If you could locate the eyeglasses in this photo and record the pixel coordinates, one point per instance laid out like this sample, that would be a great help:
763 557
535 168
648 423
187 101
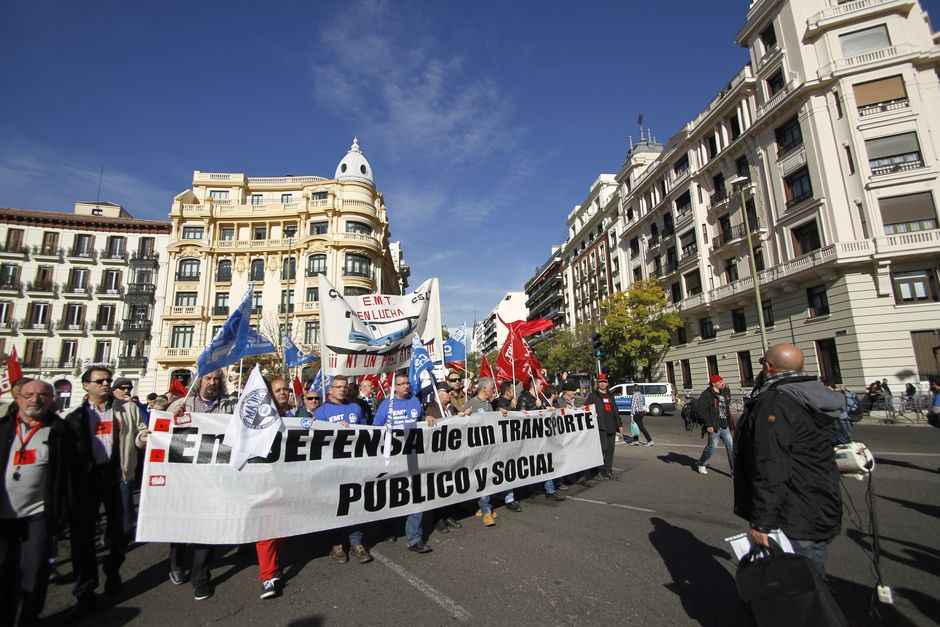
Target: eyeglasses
101 381
313 398
453 380
124 389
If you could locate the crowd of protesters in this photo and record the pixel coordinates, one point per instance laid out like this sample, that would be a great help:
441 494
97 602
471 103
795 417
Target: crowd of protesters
62 469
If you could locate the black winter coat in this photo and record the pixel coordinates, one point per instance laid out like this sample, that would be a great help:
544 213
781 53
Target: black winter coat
785 472
605 411
59 490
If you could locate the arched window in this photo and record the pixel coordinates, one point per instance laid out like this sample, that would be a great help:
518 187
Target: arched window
289 269
357 265
188 270
257 270
223 272
316 264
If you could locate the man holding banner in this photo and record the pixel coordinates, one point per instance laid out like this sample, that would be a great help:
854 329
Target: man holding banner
403 411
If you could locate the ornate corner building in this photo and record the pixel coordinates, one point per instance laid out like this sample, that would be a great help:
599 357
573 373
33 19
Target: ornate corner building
823 150
81 288
280 234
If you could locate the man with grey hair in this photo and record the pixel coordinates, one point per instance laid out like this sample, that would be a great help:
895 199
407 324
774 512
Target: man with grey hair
37 459
785 468
484 402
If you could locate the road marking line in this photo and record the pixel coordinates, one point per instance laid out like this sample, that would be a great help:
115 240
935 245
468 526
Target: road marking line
639 509
450 606
878 454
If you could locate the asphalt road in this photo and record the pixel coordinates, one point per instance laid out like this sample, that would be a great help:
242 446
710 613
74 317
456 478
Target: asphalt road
647 549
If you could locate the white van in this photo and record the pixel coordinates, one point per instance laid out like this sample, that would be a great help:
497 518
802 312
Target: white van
660 397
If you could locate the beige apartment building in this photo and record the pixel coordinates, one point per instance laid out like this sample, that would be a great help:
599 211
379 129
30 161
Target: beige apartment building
81 288
829 140
279 233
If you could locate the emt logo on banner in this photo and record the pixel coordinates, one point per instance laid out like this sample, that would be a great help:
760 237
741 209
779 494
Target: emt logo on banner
371 334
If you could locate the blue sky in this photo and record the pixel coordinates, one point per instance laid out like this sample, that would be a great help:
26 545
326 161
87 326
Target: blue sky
485 122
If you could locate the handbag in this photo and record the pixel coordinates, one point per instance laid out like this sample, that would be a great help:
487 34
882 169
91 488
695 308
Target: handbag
634 430
784 589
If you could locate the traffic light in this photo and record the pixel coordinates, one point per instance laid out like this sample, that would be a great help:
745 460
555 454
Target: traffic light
598 348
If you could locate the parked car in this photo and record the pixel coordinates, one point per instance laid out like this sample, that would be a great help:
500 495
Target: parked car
660 397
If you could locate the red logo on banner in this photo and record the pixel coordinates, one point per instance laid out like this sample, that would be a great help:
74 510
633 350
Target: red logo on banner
161 424
183 419
157 455
157 481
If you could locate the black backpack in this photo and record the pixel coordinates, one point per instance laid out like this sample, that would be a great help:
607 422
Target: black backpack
691 416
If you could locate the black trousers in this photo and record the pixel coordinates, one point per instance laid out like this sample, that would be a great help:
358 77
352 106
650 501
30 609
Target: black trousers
102 488
608 441
193 557
638 419
24 568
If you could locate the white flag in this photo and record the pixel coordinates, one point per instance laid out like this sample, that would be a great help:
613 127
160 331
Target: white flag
251 430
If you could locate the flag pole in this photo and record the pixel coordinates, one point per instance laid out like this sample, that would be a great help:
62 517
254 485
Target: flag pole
240 363
466 361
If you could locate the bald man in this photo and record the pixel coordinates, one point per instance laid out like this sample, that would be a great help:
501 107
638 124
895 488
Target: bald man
785 468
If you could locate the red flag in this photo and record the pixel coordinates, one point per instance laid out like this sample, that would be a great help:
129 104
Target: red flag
381 384
525 328
513 362
298 387
14 371
177 388
486 370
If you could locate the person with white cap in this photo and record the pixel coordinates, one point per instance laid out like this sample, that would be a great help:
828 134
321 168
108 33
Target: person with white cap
715 410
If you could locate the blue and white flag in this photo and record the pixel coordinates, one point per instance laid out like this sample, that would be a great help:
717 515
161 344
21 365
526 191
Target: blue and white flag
320 383
293 355
454 350
421 368
236 339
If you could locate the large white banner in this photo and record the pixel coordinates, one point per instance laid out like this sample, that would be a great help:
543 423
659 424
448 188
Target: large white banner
318 477
371 334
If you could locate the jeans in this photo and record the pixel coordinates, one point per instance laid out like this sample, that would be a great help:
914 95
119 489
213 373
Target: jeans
725 435
816 551
484 502
413 528
550 486
24 568
843 431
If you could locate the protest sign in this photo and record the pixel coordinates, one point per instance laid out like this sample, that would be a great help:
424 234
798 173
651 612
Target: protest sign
372 333
319 477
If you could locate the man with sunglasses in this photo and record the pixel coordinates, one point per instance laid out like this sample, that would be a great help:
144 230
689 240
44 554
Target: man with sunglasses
110 434
458 397
311 401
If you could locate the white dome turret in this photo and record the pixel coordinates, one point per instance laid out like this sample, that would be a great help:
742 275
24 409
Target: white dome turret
354 166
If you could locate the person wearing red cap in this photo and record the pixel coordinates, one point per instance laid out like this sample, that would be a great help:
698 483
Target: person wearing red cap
608 422
715 410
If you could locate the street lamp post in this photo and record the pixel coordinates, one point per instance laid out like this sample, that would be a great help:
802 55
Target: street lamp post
741 183
289 231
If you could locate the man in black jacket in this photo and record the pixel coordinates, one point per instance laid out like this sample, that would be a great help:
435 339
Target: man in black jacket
37 457
715 409
785 467
608 422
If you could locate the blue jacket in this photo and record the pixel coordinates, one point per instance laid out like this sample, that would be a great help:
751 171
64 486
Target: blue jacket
405 413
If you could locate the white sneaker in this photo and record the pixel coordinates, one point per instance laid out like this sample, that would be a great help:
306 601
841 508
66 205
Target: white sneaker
650 443
269 589
702 470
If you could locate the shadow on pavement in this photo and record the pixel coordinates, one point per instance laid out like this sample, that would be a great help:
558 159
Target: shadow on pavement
861 610
307 621
703 584
924 508
103 617
677 458
911 554
885 461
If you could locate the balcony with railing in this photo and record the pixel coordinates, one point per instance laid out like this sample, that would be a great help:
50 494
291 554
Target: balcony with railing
188 353
119 255
49 252
15 250
144 258
220 310
104 291
132 363
874 57
11 284
187 277
851 10
356 272
79 291
777 98
28 325
42 287
799 198
139 326
105 327
718 199
65 327
735 234
282 308
898 104
223 277
83 254
10 326
141 289
897 163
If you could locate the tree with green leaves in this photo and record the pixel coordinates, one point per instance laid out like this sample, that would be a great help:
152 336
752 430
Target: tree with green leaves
636 329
